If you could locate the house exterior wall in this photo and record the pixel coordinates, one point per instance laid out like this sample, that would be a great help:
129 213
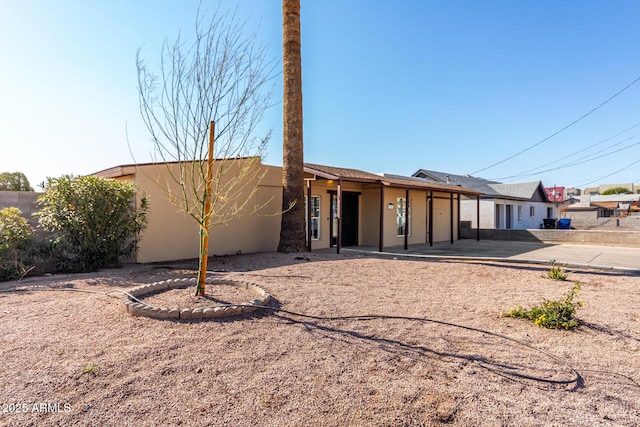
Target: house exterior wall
370 217
488 207
369 214
469 212
172 234
418 207
442 217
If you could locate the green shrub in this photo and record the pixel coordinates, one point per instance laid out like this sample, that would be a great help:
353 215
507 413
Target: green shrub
553 314
16 240
96 221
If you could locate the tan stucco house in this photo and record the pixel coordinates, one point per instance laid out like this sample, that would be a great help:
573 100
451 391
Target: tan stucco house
376 210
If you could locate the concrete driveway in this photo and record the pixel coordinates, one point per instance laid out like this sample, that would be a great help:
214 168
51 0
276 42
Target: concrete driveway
572 255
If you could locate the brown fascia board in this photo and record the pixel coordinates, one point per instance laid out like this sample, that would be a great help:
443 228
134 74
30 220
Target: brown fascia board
399 183
116 172
129 169
319 173
391 182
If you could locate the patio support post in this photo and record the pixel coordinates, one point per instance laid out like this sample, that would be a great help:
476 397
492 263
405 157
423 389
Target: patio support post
339 196
431 218
458 217
309 215
426 218
406 219
451 216
381 231
478 218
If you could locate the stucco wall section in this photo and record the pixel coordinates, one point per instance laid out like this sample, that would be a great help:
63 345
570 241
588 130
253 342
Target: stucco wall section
588 237
27 202
469 212
172 234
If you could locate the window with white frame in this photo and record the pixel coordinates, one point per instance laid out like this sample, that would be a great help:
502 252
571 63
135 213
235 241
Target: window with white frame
532 211
315 217
519 213
401 210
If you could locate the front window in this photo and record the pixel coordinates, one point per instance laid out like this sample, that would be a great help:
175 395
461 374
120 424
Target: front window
315 217
401 211
532 211
519 213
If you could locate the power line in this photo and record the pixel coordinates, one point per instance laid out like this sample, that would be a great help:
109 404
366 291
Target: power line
537 169
607 176
585 159
561 130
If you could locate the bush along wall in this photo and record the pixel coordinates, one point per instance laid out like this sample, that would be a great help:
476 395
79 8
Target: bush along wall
97 221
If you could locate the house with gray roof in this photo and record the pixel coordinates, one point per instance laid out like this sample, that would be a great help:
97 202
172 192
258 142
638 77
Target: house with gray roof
517 206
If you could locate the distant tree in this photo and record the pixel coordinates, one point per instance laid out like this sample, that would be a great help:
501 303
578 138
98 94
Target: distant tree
221 79
14 181
616 190
95 219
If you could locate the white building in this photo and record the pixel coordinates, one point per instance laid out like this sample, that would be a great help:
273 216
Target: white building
518 206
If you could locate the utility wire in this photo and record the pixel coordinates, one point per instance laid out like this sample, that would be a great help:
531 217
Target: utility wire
536 170
607 176
582 160
561 130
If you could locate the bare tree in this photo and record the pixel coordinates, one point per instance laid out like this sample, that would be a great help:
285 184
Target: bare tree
292 234
222 77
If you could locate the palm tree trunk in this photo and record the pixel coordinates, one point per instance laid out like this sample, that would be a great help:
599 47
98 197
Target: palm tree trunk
292 231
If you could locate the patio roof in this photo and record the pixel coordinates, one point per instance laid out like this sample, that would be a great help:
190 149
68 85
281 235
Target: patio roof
355 175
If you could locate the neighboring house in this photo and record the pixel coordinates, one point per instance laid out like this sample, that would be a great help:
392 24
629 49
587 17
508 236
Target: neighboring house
589 207
596 191
349 207
555 194
571 192
502 206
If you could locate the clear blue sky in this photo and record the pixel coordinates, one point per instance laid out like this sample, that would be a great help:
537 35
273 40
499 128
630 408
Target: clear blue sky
454 86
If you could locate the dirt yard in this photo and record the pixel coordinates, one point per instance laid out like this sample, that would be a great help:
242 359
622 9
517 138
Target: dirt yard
77 358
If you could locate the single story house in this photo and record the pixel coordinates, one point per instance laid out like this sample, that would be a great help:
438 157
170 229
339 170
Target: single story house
348 207
518 206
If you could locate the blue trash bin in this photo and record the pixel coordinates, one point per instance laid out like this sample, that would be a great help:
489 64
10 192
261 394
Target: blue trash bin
564 223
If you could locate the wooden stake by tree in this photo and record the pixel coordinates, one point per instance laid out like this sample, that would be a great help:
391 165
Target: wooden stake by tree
221 77
204 232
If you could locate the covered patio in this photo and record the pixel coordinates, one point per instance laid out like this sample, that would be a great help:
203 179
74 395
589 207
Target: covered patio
349 207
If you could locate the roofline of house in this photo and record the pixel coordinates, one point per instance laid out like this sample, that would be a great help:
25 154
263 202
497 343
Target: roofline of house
393 182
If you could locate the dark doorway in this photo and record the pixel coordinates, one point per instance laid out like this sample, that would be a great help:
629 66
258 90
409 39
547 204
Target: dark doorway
349 218
508 217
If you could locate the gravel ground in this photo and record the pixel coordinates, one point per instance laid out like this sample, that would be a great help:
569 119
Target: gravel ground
77 358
